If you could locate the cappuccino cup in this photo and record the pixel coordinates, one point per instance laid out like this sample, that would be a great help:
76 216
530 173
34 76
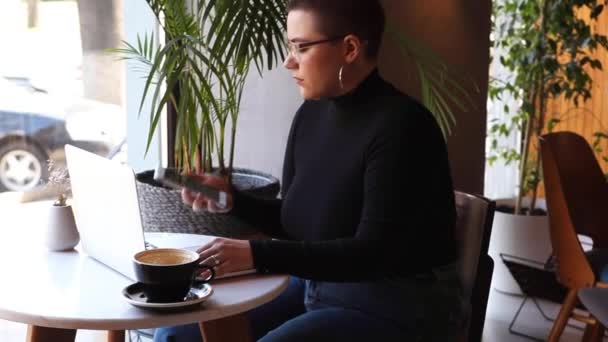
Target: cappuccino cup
167 274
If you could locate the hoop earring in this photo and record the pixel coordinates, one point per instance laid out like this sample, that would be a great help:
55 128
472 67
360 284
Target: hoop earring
340 77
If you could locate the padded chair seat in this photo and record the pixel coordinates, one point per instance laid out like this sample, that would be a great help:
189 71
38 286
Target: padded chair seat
596 301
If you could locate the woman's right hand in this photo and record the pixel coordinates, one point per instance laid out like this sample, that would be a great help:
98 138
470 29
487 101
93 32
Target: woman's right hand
200 203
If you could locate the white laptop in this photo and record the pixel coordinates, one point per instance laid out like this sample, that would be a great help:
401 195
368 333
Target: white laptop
106 210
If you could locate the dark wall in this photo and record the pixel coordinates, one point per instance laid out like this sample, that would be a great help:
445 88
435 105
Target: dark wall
458 30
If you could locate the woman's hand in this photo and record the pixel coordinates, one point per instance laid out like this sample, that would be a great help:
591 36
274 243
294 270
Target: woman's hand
199 202
227 255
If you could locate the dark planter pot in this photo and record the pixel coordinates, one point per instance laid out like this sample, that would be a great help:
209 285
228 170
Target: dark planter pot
162 209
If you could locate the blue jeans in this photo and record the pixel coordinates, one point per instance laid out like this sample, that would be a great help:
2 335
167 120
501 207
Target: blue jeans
287 318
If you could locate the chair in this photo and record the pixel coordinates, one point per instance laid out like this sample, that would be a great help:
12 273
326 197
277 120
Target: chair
576 192
583 182
473 227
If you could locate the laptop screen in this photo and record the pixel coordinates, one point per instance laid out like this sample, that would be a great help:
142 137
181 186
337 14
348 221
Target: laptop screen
106 209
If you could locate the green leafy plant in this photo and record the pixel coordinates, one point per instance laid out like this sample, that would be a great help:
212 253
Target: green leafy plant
201 72
443 87
549 46
599 146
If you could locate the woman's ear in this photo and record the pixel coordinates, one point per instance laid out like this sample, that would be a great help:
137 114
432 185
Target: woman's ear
353 46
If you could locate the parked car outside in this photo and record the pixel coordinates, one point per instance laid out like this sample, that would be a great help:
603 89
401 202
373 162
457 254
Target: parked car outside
35 126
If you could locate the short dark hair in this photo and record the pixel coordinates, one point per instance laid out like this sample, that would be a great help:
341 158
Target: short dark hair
363 18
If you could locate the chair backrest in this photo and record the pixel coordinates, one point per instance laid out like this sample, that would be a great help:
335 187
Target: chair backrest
473 229
583 184
573 269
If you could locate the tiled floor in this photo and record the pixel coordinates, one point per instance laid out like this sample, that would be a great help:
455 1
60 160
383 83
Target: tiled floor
501 309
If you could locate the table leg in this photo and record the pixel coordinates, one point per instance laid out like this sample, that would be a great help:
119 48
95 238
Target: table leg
116 336
42 334
233 328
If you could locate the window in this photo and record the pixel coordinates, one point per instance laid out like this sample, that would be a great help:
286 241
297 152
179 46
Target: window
60 86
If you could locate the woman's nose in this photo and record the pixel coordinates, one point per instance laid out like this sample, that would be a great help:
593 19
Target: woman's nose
290 62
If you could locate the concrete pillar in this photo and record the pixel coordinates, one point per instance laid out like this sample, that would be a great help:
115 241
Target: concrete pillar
101 28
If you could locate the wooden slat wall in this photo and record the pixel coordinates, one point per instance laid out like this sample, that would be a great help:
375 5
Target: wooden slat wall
590 116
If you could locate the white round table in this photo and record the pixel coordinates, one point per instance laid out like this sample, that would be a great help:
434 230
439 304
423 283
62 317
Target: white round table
69 290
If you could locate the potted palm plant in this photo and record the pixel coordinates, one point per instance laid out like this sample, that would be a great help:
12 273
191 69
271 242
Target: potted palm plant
548 48
200 73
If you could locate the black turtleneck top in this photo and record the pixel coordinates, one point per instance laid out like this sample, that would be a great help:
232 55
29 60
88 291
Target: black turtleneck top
366 192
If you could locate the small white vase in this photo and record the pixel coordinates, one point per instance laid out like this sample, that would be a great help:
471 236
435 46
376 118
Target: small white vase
61 232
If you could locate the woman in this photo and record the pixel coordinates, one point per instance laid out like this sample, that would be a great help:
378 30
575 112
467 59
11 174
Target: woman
365 224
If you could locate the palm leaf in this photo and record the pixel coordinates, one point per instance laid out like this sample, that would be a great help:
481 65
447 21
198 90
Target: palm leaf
440 84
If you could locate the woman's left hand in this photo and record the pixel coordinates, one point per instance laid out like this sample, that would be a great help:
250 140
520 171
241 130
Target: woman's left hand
227 255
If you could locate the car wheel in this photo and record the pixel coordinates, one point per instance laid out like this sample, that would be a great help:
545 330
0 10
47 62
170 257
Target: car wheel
22 166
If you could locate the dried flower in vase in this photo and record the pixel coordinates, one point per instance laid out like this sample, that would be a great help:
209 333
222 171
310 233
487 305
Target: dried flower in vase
59 183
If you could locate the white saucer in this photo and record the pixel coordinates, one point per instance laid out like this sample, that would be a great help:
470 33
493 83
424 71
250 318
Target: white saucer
134 295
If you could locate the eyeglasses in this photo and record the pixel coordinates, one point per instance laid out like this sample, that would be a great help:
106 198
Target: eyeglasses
296 49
